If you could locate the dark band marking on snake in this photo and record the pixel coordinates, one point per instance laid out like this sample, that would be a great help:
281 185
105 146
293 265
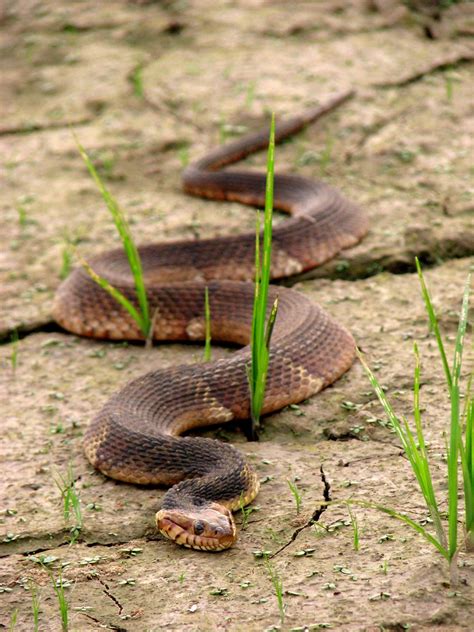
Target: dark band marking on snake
135 437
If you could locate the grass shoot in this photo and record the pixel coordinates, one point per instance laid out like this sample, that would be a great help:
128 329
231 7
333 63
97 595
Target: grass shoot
207 316
325 157
296 494
277 584
13 620
35 605
262 329
66 261
245 511
71 503
183 155
460 452
355 530
137 81
141 315
22 216
250 94
58 587
14 352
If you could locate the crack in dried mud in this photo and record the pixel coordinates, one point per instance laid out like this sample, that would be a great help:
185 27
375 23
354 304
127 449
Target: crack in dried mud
109 626
315 516
55 543
106 591
450 61
11 130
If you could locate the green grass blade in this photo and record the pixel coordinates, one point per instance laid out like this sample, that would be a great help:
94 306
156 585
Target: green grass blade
254 346
261 332
424 476
467 461
434 323
58 587
277 587
117 295
417 458
385 404
296 494
454 439
271 323
459 345
14 347
455 430
126 237
35 604
411 523
207 315
267 229
355 529
466 450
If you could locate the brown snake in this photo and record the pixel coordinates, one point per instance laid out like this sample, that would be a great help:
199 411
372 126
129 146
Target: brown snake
134 437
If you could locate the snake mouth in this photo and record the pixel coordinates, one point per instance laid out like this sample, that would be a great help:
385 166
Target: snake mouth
209 529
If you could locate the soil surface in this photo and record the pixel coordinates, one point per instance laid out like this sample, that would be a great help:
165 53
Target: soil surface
146 86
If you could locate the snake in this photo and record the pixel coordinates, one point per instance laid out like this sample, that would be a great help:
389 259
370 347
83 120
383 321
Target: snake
137 437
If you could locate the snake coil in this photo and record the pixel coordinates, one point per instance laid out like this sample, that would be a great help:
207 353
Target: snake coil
135 437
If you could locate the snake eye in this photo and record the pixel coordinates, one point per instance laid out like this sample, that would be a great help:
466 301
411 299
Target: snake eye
198 527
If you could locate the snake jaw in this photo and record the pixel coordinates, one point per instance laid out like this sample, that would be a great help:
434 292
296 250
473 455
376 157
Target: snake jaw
209 528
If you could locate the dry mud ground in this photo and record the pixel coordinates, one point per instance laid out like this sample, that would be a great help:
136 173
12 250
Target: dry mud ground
145 86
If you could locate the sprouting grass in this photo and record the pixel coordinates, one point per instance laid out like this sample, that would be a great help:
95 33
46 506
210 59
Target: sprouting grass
261 330
207 316
250 94
35 605
66 261
183 155
14 353
450 79
13 619
117 295
467 464
277 584
71 503
58 587
296 494
142 314
137 81
22 216
355 529
246 511
460 452
325 157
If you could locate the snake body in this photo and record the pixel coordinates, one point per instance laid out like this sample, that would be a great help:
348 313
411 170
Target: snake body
135 437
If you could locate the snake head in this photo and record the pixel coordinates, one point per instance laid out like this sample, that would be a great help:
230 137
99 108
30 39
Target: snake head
207 528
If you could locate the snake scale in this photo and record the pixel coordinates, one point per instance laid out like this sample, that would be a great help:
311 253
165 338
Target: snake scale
135 437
